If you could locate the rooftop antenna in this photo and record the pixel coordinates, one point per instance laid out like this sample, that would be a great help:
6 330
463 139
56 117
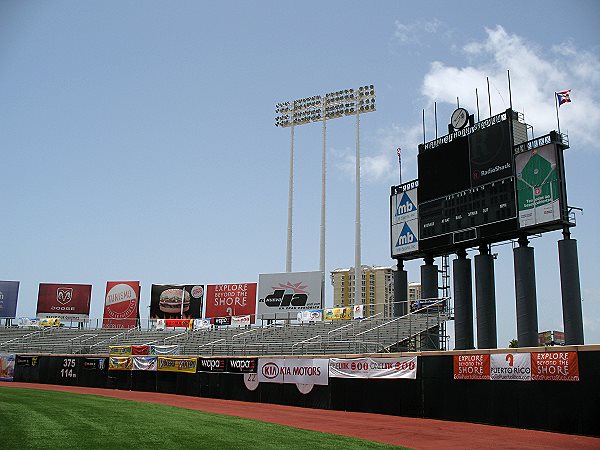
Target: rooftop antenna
489 96
423 126
509 90
477 100
435 115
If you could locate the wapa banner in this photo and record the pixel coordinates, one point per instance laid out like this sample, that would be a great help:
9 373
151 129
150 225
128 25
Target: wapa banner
403 367
168 364
224 300
302 371
231 365
64 301
551 366
145 363
288 293
9 293
119 363
172 301
121 304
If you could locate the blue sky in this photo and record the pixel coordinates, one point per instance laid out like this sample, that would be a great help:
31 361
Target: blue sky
138 138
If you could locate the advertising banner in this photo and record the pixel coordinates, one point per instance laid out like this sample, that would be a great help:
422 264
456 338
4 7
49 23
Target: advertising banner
176 301
179 323
202 324
240 321
168 364
403 367
211 364
404 222
314 315
7 366
555 366
27 322
164 349
119 363
222 321
121 304
26 361
9 293
145 363
119 350
231 300
94 363
241 365
358 312
288 293
64 301
510 366
471 367
302 371
140 349
337 313
50 322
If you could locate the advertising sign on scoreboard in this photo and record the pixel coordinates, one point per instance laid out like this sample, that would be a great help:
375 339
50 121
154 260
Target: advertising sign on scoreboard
9 292
121 304
289 292
224 300
64 301
404 219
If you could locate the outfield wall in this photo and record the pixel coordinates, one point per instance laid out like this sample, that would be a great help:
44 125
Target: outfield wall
562 406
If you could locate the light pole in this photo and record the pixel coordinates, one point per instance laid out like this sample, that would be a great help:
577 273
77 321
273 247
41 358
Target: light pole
318 108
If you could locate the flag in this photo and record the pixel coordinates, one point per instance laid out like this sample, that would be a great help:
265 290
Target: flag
563 97
398 152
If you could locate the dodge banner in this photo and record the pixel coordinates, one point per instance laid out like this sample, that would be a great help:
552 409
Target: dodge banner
404 367
121 304
64 301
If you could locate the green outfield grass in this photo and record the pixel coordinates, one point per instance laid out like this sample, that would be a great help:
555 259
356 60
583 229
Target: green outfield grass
36 419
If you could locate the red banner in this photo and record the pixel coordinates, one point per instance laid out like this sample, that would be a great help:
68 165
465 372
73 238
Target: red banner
121 304
555 366
471 367
178 323
140 349
65 301
224 300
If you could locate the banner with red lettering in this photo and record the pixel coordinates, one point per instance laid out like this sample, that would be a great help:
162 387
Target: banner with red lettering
224 300
555 366
471 367
299 371
404 367
179 323
140 349
121 304
65 301
510 366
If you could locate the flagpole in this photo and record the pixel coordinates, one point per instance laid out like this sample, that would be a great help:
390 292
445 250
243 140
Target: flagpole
556 105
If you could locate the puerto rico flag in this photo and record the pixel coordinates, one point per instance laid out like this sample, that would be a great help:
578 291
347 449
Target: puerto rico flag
563 97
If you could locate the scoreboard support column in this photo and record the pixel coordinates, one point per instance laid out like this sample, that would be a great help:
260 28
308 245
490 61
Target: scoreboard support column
485 295
400 290
526 299
429 279
463 302
570 290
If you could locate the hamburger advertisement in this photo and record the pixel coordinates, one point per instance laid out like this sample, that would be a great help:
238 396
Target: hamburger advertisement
121 304
173 301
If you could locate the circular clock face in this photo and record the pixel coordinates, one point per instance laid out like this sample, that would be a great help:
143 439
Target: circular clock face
459 119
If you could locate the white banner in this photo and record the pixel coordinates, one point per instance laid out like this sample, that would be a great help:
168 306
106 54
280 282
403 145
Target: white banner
201 324
358 311
315 315
303 371
160 325
27 322
145 362
240 321
164 349
404 367
288 293
510 366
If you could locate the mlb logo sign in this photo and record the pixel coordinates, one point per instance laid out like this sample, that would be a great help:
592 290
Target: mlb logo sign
64 295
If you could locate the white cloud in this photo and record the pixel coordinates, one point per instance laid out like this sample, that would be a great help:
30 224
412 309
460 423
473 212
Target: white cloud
414 33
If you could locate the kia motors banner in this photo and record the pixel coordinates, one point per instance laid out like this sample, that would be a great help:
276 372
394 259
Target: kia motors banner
231 300
119 363
140 349
119 350
555 366
241 365
240 321
510 366
338 313
7 366
471 367
222 321
404 367
315 315
121 304
164 349
64 301
172 301
168 364
211 364
9 293
303 371
145 363
288 293
94 363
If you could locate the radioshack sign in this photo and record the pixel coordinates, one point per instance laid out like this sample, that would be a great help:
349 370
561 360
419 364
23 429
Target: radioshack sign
303 371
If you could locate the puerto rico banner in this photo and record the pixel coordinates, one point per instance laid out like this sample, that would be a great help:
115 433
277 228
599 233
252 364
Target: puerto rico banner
9 293
119 363
164 350
168 364
119 350
145 363
403 367
64 301
121 304
555 366
471 367
231 300
302 371
510 366
166 301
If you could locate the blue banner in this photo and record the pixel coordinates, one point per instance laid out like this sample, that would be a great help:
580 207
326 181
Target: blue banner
9 291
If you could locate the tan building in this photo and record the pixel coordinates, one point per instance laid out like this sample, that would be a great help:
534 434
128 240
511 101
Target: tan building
377 289
414 293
